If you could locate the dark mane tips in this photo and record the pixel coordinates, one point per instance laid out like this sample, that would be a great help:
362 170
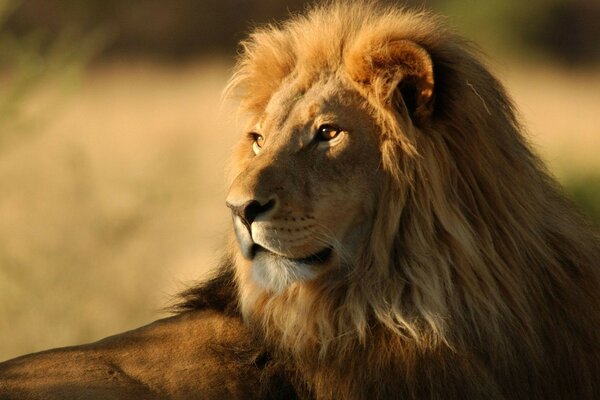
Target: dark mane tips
218 292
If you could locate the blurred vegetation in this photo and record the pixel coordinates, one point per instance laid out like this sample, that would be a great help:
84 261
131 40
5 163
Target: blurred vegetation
566 30
32 60
64 237
585 193
106 190
174 30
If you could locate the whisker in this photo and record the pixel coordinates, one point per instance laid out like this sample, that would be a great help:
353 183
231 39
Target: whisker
325 236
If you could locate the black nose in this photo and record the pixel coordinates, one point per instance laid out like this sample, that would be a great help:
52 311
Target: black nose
249 210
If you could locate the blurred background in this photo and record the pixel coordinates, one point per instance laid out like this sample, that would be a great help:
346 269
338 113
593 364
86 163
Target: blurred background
113 142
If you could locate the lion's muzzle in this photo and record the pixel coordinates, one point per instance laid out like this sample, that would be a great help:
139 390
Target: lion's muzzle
244 213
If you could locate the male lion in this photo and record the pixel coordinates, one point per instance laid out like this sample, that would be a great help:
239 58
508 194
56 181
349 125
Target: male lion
395 235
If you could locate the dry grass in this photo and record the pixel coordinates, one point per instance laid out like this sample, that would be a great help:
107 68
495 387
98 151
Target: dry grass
107 206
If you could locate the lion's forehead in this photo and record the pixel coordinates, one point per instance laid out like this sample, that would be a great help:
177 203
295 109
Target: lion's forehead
297 106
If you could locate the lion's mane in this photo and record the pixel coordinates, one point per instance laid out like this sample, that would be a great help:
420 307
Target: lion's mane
479 279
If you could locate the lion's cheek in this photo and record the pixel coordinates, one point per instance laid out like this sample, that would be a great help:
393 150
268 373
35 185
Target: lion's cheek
345 214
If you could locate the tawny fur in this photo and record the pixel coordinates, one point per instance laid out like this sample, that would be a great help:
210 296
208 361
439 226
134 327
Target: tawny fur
479 279
476 279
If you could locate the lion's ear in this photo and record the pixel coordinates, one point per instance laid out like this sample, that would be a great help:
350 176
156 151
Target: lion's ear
401 74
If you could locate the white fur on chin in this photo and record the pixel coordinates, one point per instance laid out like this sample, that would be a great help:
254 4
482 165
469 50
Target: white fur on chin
275 273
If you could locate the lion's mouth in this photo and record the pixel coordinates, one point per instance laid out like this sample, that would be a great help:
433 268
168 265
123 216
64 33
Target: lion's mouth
320 257
250 249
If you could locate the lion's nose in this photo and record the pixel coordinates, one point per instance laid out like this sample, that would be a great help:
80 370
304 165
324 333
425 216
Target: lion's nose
249 210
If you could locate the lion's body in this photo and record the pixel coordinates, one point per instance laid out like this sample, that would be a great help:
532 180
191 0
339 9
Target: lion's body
396 236
205 355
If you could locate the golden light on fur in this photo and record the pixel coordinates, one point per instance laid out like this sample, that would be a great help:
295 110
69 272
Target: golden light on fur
474 278
395 238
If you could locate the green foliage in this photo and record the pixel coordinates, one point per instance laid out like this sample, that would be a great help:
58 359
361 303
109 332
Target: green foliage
560 30
585 193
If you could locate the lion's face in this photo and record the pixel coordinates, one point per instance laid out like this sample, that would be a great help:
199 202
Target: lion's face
306 182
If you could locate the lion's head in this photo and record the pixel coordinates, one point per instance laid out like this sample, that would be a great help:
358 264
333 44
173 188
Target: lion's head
308 182
382 190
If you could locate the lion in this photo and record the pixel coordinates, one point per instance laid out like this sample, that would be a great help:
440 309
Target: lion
394 235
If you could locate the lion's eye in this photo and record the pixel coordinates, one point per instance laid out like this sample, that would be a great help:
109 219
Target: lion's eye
257 142
326 133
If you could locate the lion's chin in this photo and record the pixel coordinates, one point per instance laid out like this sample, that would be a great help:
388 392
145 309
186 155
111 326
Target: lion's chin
276 273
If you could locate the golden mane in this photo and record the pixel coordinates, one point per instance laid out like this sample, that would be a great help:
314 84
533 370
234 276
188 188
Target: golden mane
472 276
475 257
